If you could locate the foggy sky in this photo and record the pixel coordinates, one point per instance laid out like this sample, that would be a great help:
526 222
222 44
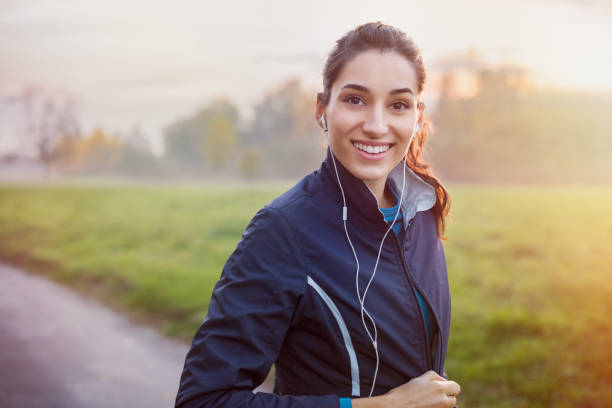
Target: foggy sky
147 63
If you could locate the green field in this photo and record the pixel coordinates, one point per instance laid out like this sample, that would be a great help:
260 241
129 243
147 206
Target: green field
529 267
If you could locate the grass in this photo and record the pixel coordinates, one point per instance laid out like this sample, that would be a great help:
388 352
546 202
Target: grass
529 268
530 271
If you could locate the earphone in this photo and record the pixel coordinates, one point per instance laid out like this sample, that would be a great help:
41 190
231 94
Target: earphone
373 338
418 127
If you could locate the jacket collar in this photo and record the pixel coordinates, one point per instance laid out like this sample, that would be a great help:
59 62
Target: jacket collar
418 194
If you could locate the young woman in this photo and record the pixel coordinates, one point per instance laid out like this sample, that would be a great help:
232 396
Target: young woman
341 281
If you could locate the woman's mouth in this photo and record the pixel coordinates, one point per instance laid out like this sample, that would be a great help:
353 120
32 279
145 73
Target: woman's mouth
372 151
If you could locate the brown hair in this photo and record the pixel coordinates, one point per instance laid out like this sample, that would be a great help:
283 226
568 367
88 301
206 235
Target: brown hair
388 38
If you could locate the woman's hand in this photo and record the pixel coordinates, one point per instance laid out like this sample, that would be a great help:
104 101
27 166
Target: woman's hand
426 391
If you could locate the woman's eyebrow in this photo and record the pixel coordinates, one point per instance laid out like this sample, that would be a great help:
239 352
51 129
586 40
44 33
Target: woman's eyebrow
364 89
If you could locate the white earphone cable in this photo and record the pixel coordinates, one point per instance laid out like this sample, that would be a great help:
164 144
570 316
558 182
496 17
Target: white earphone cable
373 338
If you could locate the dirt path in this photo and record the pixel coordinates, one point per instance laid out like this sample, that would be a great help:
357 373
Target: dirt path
58 349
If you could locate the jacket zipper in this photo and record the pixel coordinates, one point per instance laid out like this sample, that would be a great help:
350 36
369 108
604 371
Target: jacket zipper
437 335
413 282
422 318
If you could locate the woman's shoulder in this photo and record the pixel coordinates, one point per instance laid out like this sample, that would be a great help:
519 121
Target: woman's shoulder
277 217
267 251
299 197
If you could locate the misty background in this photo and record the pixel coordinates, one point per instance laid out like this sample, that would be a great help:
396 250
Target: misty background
518 92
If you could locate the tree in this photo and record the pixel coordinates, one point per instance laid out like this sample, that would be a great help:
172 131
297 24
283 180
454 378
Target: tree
213 128
510 131
97 153
136 162
284 128
220 138
50 117
285 113
250 162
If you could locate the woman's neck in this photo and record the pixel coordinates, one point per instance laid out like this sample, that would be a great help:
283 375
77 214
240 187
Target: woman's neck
383 195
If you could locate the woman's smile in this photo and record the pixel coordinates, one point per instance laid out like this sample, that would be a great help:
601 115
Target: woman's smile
372 150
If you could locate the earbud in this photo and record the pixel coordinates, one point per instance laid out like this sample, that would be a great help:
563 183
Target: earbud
418 128
323 123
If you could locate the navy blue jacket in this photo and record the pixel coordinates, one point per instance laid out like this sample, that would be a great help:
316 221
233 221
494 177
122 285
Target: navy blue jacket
287 296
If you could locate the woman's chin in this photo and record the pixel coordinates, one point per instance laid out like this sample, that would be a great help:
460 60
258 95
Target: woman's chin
370 176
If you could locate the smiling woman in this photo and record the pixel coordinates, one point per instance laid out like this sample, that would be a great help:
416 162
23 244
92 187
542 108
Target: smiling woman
373 122
294 291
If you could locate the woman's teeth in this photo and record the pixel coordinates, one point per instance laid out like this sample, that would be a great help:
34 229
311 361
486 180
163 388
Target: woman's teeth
371 149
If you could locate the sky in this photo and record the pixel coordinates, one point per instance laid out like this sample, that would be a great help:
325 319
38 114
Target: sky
147 63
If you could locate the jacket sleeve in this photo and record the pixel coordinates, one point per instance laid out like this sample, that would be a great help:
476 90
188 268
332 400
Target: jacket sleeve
248 316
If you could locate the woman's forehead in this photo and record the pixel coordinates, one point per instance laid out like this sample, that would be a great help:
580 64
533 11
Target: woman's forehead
378 72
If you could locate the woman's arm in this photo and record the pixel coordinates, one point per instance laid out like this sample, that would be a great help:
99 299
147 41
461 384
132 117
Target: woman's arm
249 314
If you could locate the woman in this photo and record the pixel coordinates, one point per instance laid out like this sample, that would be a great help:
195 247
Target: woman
341 281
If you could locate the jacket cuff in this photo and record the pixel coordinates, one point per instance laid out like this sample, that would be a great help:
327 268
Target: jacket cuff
346 403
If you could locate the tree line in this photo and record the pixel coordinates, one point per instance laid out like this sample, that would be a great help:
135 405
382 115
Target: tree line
505 130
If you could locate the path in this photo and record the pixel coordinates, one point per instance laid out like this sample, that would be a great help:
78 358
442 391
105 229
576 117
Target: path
58 349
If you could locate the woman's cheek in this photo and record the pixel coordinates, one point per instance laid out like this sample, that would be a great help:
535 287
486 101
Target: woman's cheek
345 122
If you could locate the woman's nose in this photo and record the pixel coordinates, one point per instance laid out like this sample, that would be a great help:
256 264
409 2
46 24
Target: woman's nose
375 123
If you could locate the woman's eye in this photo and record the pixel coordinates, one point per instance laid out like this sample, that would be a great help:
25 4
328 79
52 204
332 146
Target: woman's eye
400 106
352 100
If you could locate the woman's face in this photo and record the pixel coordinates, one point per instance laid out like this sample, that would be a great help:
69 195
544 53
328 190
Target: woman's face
372 113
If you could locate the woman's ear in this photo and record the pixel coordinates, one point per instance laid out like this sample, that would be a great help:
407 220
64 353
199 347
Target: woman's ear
320 112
